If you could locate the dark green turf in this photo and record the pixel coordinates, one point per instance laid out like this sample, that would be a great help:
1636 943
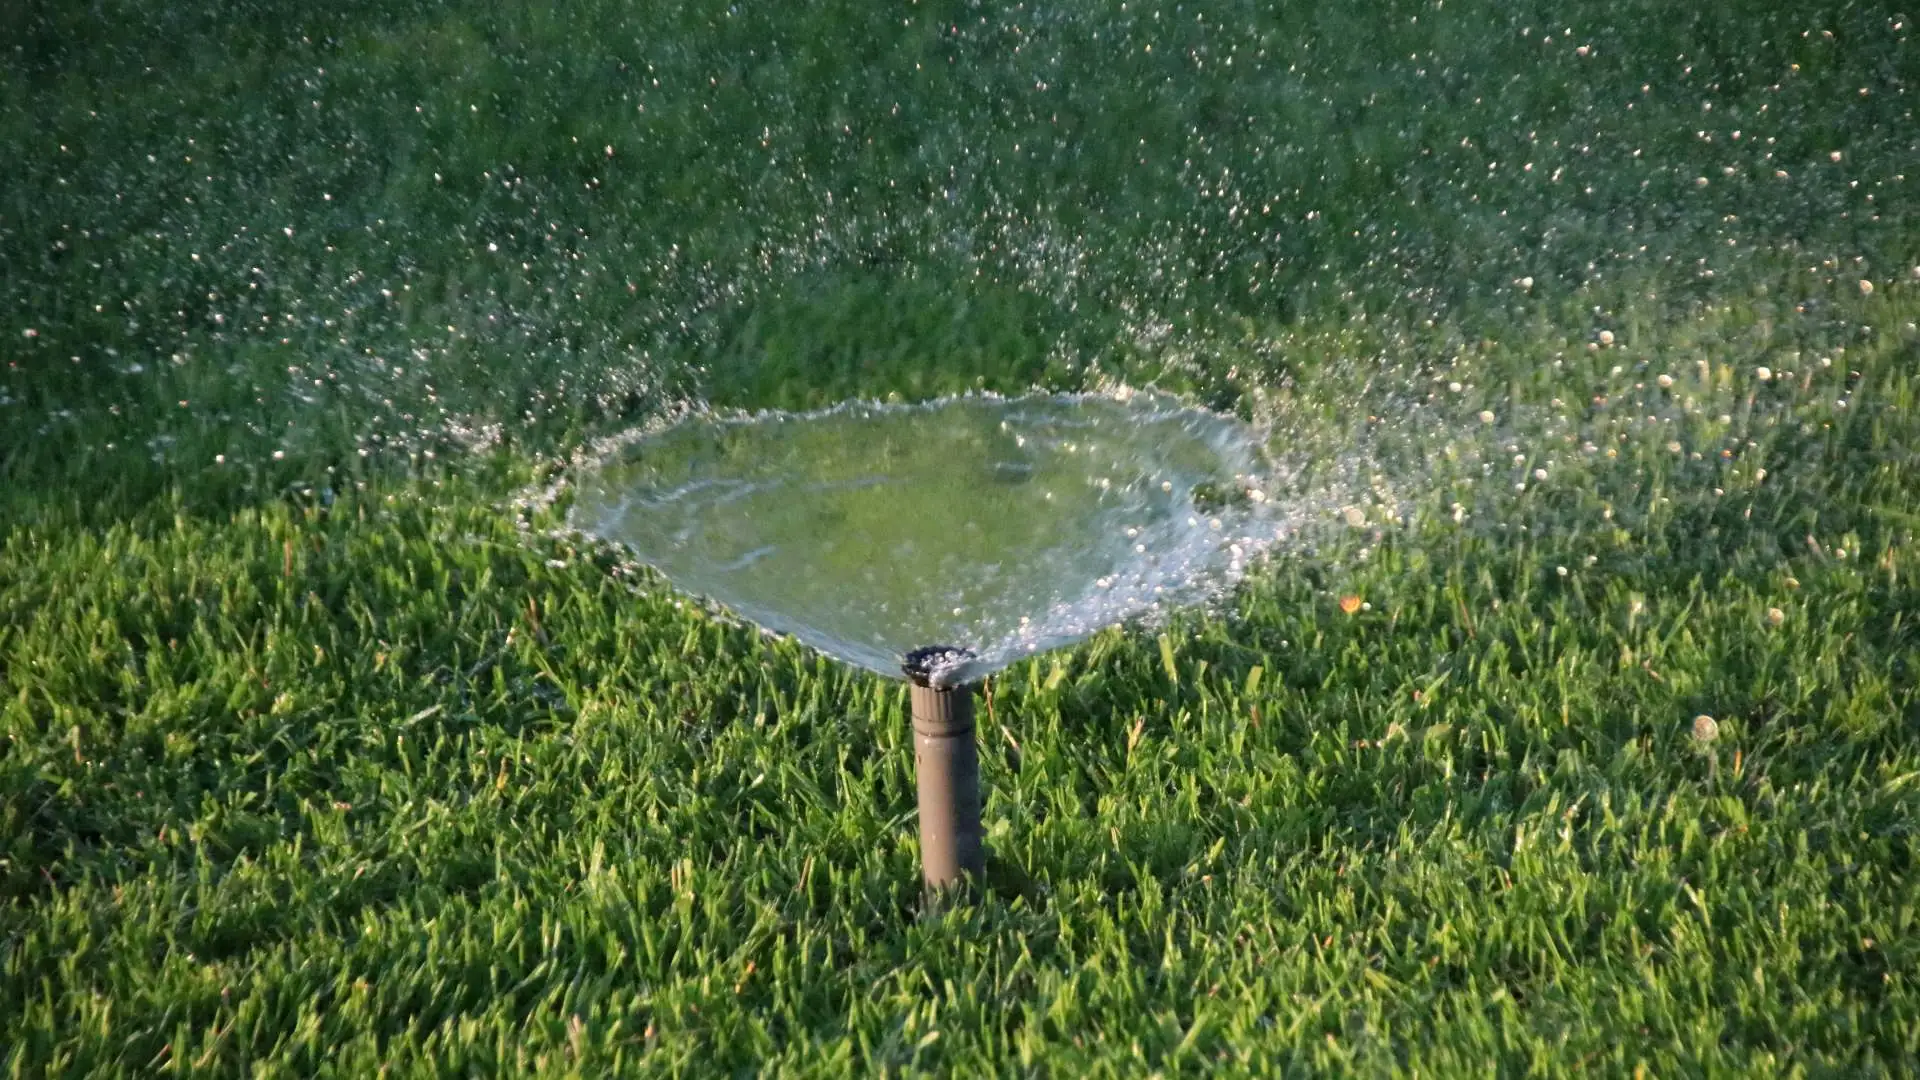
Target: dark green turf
325 752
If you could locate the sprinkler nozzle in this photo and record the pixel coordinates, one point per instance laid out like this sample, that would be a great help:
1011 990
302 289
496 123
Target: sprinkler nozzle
936 666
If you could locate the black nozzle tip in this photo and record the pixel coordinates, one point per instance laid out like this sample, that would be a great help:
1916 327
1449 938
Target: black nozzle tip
929 662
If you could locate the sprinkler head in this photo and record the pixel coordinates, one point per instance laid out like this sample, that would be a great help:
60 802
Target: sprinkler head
940 667
946 768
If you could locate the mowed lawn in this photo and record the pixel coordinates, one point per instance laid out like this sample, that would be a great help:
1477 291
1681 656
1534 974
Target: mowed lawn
1573 728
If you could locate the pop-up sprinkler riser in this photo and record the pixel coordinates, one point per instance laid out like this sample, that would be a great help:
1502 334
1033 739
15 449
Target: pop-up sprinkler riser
947 769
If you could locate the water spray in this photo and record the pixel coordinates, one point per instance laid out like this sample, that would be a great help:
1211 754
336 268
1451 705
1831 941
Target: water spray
1014 525
947 765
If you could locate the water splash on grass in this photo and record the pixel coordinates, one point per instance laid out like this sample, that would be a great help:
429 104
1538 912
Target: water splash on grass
1004 526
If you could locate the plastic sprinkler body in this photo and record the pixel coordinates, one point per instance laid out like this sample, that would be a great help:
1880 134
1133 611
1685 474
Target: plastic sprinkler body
947 767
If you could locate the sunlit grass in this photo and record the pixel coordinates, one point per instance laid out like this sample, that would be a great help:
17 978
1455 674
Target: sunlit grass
326 751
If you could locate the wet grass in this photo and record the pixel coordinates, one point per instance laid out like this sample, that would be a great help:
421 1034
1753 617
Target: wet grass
322 755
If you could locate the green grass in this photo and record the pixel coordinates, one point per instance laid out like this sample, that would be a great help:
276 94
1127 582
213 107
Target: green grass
327 751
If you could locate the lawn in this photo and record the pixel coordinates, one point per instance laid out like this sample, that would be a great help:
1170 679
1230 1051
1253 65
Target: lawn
1575 727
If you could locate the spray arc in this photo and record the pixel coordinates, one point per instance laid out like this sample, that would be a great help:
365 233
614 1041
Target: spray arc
1012 525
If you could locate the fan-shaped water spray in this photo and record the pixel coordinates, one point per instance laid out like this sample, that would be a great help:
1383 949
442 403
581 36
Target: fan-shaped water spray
1000 526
